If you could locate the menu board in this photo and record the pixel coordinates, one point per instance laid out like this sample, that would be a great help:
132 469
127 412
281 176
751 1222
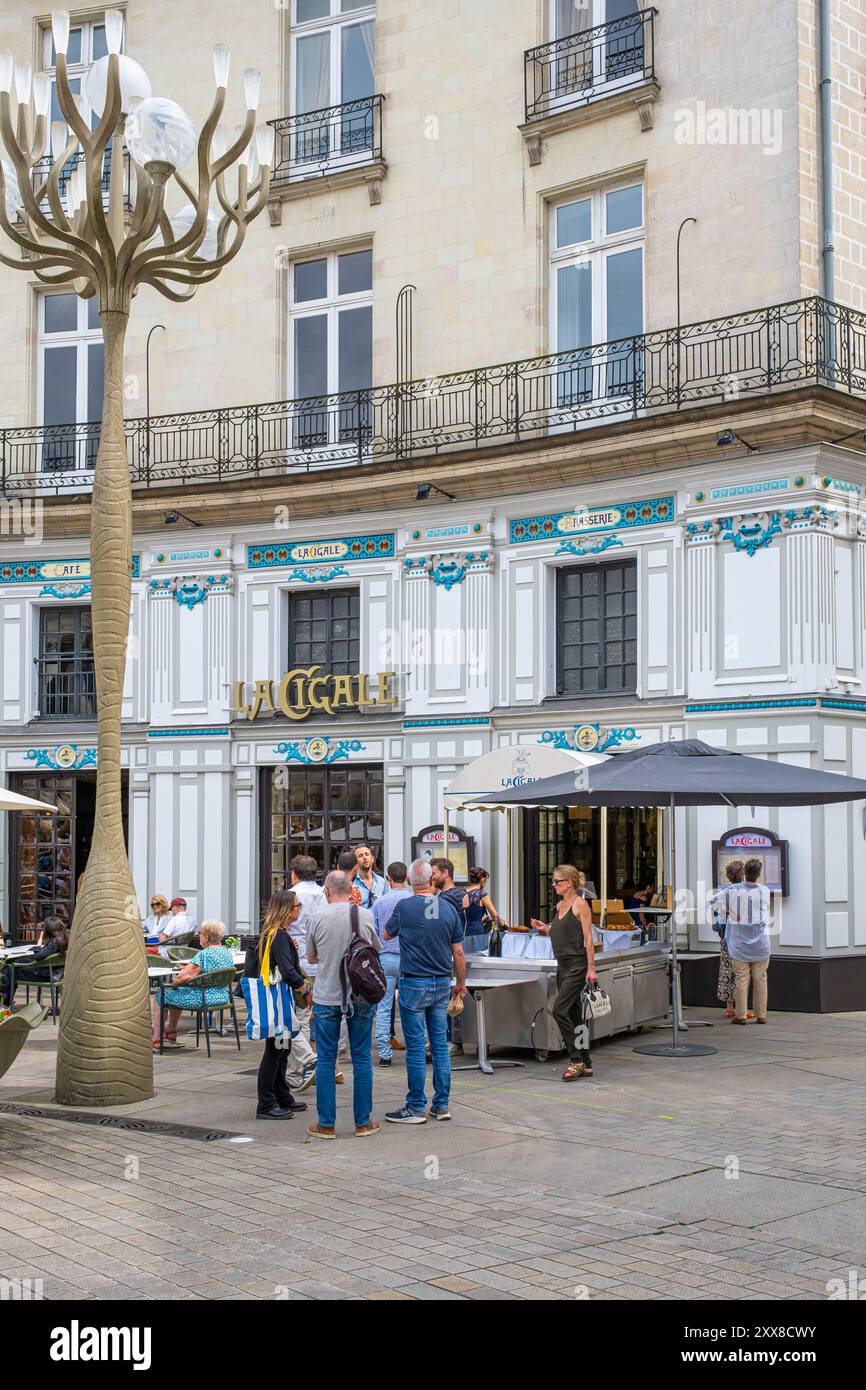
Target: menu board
430 844
748 842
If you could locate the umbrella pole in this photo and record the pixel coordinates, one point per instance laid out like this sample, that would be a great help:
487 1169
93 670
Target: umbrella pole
445 832
508 870
603 873
675 1048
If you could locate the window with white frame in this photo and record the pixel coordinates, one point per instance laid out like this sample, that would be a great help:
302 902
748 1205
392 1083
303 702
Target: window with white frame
333 65
86 45
70 380
597 291
331 346
592 56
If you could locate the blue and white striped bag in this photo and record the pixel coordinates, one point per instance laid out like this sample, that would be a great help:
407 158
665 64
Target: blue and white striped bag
270 1013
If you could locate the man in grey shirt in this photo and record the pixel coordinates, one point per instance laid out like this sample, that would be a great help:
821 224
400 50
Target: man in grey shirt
329 930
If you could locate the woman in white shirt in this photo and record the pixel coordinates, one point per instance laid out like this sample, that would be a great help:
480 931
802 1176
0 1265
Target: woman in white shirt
155 924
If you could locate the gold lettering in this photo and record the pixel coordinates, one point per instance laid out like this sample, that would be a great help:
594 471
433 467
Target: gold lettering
319 701
295 707
342 696
239 704
386 696
264 695
364 691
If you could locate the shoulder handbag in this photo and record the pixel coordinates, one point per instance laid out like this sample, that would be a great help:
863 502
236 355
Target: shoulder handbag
596 1001
269 1006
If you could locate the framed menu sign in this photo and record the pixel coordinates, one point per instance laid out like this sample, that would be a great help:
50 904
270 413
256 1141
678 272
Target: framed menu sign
430 844
748 842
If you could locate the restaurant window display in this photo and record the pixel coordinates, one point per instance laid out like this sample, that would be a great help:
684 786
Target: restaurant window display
320 811
572 835
49 853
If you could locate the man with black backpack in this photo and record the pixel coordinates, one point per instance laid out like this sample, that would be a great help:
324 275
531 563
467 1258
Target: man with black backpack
342 942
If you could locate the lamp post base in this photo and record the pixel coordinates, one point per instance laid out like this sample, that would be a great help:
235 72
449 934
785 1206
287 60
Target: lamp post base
675 1050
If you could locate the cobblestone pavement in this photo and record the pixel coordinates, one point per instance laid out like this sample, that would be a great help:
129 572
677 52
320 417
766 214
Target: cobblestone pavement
741 1175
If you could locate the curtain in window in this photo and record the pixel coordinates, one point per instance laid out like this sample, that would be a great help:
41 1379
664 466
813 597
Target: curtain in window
572 17
573 70
312 93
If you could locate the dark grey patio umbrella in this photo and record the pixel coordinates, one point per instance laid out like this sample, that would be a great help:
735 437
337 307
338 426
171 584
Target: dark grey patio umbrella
686 773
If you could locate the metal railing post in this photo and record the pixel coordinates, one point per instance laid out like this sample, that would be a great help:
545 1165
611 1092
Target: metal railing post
3 462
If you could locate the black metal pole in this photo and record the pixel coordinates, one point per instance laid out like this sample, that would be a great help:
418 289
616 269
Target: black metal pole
147 387
684 223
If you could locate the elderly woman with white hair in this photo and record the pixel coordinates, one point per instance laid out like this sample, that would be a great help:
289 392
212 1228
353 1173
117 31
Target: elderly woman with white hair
212 956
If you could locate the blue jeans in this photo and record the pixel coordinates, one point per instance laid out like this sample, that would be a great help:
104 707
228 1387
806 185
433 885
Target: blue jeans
360 1026
390 961
425 1001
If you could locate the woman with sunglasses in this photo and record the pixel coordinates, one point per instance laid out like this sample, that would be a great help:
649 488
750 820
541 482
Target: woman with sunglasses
160 915
570 935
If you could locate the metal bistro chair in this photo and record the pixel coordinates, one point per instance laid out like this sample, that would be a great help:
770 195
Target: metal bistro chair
54 965
211 979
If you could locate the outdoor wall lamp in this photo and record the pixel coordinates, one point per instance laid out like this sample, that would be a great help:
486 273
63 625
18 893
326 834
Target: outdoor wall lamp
172 518
424 490
727 437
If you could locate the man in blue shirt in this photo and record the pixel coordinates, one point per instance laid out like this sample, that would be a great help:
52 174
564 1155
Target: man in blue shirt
389 957
430 933
370 885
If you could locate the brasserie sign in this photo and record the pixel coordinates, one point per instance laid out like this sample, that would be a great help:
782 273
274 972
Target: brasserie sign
307 690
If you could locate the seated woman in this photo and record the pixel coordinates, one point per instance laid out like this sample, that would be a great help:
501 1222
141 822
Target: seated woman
212 956
160 916
53 941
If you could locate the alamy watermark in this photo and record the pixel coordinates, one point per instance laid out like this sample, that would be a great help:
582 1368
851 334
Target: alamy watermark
729 125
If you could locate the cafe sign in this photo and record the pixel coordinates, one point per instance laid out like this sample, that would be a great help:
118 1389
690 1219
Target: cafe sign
650 511
309 690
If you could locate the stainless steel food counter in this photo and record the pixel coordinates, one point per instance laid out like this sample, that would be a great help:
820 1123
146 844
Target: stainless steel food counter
637 980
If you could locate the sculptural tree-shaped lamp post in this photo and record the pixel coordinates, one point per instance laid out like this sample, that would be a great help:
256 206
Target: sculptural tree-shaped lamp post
106 244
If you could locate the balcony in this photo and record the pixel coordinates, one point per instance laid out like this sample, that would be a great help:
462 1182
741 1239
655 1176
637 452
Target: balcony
610 67
42 168
761 353
336 145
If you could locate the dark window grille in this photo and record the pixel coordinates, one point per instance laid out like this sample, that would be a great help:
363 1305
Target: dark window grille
67 680
320 811
325 630
596 628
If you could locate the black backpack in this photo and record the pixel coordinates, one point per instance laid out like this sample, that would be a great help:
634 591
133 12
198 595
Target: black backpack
361 973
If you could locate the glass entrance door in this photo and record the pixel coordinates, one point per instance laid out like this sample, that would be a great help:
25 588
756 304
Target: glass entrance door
49 852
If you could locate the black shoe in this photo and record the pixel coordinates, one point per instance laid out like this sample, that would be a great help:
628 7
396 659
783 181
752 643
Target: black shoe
273 1112
384 1061
291 1104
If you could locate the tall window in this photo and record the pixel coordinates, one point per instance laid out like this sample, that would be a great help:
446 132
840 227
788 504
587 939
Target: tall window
86 45
596 629
67 684
320 811
71 365
333 65
332 346
597 292
601 58
325 630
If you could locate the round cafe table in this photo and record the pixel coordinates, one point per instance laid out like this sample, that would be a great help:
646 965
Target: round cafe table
478 987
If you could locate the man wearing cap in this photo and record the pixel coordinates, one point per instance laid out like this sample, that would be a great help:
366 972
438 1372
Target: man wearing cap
181 923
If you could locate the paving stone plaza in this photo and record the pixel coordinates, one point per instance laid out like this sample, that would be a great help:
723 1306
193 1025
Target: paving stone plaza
738 1176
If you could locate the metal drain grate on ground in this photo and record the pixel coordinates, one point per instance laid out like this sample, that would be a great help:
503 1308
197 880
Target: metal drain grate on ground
125 1122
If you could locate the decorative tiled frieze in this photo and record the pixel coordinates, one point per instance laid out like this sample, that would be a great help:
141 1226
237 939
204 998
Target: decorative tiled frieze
188 590
592 545
66 757
449 569
319 750
583 521
752 531
339 549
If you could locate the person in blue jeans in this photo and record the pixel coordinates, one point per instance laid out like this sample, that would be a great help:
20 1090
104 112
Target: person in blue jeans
430 932
390 957
329 931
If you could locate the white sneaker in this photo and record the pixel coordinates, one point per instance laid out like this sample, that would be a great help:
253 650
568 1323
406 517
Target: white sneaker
455 1050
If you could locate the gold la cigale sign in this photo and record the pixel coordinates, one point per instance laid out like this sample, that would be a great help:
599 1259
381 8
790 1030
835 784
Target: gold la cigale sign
304 691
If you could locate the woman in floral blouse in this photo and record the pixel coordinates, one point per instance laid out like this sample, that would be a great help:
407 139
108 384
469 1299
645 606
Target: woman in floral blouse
212 956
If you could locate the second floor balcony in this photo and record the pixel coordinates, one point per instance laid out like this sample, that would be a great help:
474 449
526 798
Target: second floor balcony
586 67
760 353
333 141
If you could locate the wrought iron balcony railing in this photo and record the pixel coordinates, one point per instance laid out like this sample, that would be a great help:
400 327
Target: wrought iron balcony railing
585 67
42 168
67 687
327 141
805 342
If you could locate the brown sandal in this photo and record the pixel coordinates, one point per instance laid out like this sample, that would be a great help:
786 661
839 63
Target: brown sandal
573 1071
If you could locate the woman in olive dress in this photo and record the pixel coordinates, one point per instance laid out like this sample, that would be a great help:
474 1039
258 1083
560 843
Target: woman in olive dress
570 935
